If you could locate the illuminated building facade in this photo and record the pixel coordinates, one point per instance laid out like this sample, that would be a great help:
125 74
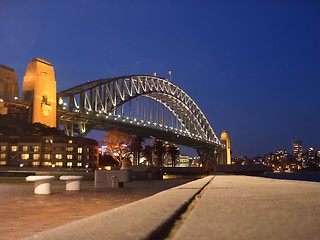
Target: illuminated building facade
9 90
48 151
297 149
281 154
311 154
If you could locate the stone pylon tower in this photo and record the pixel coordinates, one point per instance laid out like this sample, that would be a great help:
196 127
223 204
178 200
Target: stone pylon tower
225 154
39 88
9 89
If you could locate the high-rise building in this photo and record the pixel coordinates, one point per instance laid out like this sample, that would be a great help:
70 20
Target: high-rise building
311 154
297 149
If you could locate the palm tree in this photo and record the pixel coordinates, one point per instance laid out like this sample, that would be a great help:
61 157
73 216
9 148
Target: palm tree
136 148
159 149
174 152
147 153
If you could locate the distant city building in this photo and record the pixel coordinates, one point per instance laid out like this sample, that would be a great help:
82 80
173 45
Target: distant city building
311 154
281 154
267 158
183 161
225 156
297 149
48 151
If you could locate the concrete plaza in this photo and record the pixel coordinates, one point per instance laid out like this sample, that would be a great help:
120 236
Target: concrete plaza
24 213
221 207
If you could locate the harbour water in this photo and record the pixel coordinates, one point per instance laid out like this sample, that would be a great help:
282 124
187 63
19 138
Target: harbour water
302 176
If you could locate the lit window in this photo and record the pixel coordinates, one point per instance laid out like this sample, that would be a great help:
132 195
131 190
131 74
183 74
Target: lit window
69 156
69 149
24 148
14 148
25 156
69 164
3 148
58 156
59 164
46 164
79 157
49 141
70 141
79 164
2 156
80 150
36 148
35 163
36 156
2 163
47 156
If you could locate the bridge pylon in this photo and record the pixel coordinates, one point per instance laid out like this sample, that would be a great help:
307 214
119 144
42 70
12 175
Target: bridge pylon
39 89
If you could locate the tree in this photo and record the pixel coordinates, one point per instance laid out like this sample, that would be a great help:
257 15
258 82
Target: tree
174 152
107 160
147 153
159 149
136 148
117 145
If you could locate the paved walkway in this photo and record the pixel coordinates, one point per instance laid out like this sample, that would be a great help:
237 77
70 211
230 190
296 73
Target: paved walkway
224 207
241 207
24 214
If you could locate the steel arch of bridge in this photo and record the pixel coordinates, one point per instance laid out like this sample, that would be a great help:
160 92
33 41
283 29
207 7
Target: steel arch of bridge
96 103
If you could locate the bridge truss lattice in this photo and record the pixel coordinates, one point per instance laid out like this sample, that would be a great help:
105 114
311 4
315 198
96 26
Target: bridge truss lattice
139 101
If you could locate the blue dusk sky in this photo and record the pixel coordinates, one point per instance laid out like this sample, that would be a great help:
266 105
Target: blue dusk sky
253 67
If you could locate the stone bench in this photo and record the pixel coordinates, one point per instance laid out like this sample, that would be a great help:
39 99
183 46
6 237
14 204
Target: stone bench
72 182
42 184
112 178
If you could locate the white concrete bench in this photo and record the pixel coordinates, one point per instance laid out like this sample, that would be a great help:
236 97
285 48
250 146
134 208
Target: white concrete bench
72 182
42 184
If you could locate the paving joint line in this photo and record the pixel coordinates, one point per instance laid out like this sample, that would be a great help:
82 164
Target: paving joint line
178 219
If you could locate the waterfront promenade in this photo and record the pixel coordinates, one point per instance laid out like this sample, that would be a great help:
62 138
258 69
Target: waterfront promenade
23 214
221 207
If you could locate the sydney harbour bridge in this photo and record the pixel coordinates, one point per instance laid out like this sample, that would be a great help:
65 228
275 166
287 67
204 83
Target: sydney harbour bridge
147 106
